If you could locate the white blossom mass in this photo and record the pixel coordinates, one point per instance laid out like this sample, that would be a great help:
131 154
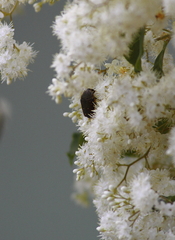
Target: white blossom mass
119 49
116 68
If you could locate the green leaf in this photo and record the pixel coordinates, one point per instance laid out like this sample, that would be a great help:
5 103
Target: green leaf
136 50
158 64
77 141
169 199
129 153
163 125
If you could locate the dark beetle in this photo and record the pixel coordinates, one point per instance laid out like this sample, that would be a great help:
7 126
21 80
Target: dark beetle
88 101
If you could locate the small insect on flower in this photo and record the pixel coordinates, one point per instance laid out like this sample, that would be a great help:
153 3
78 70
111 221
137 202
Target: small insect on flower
88 102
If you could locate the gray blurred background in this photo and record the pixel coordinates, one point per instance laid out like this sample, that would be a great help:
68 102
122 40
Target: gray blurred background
36 180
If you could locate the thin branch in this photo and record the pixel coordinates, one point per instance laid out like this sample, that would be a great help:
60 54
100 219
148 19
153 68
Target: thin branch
11 11
129 165
133 221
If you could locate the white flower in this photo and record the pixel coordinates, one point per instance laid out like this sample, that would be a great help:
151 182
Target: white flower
17 58
14 58
83 191
169 7
56 89
114 227
126 139
6 34
143 197
62 65
7 4
166 209
86 28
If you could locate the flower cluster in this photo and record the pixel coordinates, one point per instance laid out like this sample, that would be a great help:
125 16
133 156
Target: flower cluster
118 48
115 51
8 7
38 4
14 57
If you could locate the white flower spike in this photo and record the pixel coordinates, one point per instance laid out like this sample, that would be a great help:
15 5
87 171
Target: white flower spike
118 49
